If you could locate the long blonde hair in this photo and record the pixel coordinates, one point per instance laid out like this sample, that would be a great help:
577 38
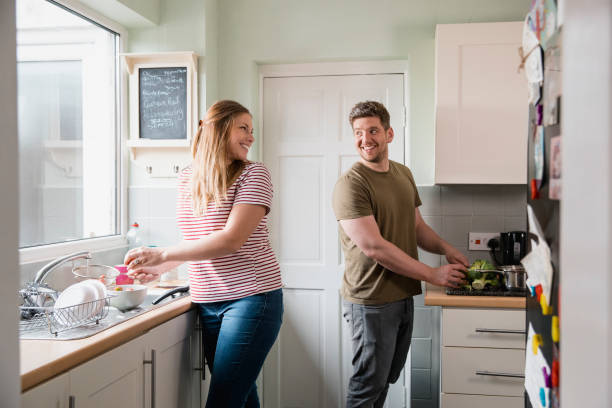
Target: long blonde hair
213 173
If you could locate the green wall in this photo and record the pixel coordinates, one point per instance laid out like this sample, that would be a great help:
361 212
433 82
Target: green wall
252 32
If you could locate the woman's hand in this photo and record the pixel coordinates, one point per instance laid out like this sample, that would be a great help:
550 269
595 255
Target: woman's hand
145 274
143 263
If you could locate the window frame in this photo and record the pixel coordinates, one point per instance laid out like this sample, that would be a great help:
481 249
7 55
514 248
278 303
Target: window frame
48 251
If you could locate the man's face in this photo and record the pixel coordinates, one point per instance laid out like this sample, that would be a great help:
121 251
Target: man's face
371 139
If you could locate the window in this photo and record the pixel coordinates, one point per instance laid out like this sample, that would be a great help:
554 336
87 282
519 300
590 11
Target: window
68 95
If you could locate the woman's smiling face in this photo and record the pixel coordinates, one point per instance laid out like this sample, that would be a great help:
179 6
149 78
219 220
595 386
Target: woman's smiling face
241 137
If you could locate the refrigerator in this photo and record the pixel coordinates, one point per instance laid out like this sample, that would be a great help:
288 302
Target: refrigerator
543 316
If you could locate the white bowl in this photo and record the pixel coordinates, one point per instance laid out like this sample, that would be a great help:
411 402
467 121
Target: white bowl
130 296
75 295
100 294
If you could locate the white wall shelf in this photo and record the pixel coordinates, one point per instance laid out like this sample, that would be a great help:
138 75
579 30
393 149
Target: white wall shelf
161 157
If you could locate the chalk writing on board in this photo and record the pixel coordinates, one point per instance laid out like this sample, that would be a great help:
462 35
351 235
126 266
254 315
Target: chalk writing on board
163 103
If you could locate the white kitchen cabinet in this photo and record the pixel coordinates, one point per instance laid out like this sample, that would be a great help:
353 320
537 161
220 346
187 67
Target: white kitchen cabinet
483 357
111 380
129 375
50 394
170 349
481 105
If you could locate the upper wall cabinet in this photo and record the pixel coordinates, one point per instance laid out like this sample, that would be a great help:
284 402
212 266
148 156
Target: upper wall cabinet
481 105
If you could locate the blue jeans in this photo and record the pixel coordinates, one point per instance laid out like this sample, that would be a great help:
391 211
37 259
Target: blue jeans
237 336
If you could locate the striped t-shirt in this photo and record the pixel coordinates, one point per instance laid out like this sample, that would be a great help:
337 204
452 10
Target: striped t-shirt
253 268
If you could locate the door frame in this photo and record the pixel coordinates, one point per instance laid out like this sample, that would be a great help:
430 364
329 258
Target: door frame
338 68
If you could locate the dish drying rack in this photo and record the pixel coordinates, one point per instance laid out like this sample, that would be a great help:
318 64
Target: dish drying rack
60 319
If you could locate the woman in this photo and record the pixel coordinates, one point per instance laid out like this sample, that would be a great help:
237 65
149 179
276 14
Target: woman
234 276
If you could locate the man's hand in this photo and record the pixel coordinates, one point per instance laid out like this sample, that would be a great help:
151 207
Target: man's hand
451 275
454 256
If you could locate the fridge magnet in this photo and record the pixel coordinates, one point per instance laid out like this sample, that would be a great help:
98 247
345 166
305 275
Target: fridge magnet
537 373
554 189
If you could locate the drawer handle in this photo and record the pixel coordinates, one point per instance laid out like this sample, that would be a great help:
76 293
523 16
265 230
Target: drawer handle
494 374
503 331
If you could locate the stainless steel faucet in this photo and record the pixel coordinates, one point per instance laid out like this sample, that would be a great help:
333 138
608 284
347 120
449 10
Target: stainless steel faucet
48 268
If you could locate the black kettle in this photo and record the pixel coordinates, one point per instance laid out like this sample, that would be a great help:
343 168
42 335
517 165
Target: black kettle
511 246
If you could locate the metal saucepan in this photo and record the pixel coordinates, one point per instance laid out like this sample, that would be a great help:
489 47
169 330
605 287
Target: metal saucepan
514 276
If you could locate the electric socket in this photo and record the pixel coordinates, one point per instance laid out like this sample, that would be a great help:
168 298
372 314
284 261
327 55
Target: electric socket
477 241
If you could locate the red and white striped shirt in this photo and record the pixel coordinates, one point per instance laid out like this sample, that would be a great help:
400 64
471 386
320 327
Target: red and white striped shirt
253 268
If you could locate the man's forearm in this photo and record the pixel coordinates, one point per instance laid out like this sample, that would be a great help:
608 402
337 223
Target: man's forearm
397 261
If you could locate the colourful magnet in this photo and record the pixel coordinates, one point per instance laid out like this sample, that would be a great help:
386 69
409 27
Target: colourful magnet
535 343
543 396
538 291
546 310
554 330
555 374
547 377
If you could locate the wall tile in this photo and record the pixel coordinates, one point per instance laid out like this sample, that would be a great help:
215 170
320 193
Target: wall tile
162 202
422 322
487 223
515 201
163 231
138 204
430 197
434 222
455 229
429 259
456 200
515 224
488 200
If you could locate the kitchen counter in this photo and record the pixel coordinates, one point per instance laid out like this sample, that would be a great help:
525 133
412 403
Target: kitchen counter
41 360
436 296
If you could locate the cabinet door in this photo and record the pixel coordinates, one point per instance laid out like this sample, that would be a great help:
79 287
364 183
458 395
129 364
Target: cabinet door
483 328
481 105
51 394
480 401
172 371
114 379
470 370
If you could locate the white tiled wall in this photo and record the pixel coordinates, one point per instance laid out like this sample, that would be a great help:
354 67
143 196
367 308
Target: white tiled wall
453 211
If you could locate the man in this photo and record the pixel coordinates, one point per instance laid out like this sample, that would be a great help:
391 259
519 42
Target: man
376 203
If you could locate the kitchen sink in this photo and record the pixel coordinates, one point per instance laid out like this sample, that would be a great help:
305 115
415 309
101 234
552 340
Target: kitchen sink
114 317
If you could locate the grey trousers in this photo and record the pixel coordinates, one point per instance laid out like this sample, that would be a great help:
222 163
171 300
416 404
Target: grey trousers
381 337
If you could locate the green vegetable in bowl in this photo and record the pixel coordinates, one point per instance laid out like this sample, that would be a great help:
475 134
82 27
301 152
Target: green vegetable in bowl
478 280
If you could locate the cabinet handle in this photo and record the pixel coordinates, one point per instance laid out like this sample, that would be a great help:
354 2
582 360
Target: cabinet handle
71 401
503 331
202 367
152 362
494 374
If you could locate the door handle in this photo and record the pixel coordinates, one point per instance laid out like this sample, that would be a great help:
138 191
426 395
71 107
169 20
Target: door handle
152 362
495 374
501 331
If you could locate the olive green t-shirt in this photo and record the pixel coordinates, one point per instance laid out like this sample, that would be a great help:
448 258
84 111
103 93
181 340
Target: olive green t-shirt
391 197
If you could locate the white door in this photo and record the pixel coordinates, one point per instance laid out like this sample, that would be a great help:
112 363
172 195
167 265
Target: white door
307 144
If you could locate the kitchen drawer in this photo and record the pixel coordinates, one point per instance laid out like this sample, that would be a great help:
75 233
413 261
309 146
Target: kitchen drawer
480 401
460 364
459 328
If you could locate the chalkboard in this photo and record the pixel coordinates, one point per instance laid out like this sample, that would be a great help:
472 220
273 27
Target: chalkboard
163 103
